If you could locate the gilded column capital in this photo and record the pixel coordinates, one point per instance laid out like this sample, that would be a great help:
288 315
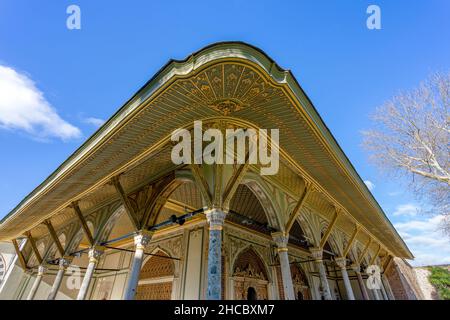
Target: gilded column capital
281 239
142 239
215 218
95 253
341 262
316 253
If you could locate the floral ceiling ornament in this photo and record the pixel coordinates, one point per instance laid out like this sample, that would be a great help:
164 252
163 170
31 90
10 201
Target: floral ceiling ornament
227 106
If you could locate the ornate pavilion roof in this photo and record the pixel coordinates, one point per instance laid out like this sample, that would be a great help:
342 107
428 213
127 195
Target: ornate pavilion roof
135 142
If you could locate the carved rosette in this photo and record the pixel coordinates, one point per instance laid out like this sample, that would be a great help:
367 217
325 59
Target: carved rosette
227 106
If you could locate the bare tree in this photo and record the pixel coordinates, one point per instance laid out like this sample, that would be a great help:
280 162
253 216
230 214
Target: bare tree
411 138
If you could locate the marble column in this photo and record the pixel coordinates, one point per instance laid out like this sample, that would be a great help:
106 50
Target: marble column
342 264
281 239
37 282
357 269
215 219
94 254
317 254
141 241
63 264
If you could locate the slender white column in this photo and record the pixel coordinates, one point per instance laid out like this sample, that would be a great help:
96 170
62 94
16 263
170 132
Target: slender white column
376 294
215 219
63 264
317 256
281 239
342 264
36 283
383 292
141 241
362 285
388 287
94 254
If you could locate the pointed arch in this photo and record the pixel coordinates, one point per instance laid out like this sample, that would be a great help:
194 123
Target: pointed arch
315 226
263 192
156 277
337 241
308 230
107 222
249 254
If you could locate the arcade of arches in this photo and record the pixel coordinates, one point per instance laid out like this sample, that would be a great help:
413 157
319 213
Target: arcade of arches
129 223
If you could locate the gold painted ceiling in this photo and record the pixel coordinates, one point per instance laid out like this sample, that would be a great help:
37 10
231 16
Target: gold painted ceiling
231 81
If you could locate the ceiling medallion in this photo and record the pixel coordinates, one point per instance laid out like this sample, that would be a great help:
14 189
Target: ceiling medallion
227 106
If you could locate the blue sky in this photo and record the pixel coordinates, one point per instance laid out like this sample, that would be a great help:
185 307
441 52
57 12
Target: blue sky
77 78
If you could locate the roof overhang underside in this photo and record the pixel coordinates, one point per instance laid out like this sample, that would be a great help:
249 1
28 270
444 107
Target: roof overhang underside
263 96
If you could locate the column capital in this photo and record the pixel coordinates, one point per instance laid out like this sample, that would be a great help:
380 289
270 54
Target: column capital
356 267
95 252
41 270
142 239
64 262
316 253
341 262
281 239
215 218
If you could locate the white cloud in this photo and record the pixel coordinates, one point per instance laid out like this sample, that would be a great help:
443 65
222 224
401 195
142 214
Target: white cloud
408 209
394 193
428 225
96 122
24 107
426 241
369 184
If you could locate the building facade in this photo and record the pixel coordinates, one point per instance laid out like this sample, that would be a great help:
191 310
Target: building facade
119 219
